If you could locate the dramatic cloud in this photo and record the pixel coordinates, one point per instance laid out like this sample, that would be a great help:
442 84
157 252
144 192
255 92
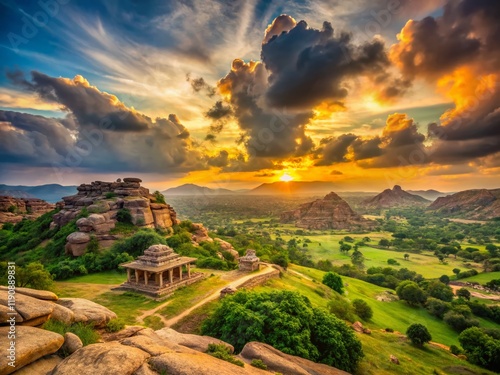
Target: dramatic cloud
199 84
398 145
460 50
99 133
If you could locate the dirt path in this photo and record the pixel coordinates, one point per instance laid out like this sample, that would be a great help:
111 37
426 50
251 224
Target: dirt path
299 274
234 284
473 293
145 314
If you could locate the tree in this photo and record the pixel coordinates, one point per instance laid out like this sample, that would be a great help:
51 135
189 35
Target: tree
492 249
362 309
445 279
410 292
159 197
344 248
458 321
334 281
464 293
456 271
407 256
437 307
418 334
480 348
287 321
440 291
357 259
33 276
384 242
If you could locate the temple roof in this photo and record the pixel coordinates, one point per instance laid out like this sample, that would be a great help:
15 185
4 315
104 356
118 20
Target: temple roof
158 258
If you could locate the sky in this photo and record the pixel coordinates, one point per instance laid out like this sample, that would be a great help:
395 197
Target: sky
363 93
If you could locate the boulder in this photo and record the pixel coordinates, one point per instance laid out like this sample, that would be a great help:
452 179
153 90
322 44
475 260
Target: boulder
278 361
357 326
162 217
145 369
31 344
5 315
88 311
104 359
96 219
29 308
132 179
394 359
42 366
200 233
136 203
62 314
71 343
75 249
78 238
124 333
148 345
226 246
142 216
195 342
35 293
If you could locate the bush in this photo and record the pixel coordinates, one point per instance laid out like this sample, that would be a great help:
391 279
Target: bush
390 330
159 197
480 348
458 321
463 293
437 289
124 216
110 195
259 364
410 292
115 325
221 351
362 309
333 281
287 321
341 308
455 350
437 307
392 262
418 334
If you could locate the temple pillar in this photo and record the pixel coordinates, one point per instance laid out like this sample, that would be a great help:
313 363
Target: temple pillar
161 279
136 276
171 276
146 277
189 270
128 274
180 272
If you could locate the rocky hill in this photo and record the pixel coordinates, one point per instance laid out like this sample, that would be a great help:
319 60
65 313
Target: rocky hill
13 210
330 212
134 350
103 201
430 194
50 193
469 204
396 197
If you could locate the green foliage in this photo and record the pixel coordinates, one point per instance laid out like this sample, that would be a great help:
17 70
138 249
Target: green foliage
12 209
124 216
159 197
455 350
480 348
110 195
418 334
93 245
221 351
115 325
437 289
445 279
341 308
333 281
287 321
358 260
85 332
392 262
493 284
437 307
362 309
464 293
458 321
410 292
139 242
34 275
259 364
8 226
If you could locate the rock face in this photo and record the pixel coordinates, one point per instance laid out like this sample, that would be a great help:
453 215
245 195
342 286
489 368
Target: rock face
284 363
31 344
33 311
331 212
13 210
396 197
71 343
87 311
200 233
195 342
470 204
103 200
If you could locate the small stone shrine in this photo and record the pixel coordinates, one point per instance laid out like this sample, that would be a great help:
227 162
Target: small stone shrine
249 262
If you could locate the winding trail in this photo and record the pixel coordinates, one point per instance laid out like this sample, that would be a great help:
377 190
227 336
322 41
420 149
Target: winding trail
234 284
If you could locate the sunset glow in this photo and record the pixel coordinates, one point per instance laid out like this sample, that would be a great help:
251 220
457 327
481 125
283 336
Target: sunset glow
286 177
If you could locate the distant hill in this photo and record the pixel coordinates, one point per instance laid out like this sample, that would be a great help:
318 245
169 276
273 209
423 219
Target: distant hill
51 193
431 194
396 197
192 189
330 212
469 204
294 187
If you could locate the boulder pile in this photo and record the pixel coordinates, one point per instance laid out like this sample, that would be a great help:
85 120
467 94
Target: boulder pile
13 210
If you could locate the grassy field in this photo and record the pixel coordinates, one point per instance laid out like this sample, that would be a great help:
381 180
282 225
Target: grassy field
483 278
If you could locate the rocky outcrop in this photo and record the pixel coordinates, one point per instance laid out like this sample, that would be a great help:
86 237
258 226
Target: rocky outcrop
396 197
280 362
331 212
469 204
103 200
13 210
199 343
71 343
87 311
33 311
31 344
200 233
226 246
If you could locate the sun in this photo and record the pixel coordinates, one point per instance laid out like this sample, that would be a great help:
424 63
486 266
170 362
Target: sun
286 177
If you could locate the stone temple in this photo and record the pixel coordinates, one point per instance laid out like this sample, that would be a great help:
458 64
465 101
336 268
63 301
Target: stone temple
159 272
250 262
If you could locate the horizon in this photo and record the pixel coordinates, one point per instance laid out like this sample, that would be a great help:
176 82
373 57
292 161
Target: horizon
234 96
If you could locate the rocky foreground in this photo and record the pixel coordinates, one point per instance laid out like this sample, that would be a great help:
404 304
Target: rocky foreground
135 350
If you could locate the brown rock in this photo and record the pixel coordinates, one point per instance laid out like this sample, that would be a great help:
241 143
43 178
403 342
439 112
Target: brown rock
396 197
147 345
394 359
28 307
357 326
5 316
62 314
331 212
132 179
226 246
200 233
71 343
31 344
109 358
195 342
145 369
124 333
88 311
42 366
35 293
78 238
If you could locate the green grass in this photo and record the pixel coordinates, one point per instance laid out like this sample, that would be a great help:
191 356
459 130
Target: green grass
154 322
483 277
85 332
105 277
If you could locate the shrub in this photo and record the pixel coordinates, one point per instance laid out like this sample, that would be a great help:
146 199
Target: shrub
8 226
458 321
110 195
437 289
392 262
480 348
390 330
115 325
259 364
333 281
85 332
464 293
341 308
410 292
159 197
221 351
124 216
362 309
437 307
418 334
455 350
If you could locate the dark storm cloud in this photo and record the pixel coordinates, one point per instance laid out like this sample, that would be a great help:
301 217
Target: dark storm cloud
99 132
199 84
221 160
219 111
399 140
309 66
